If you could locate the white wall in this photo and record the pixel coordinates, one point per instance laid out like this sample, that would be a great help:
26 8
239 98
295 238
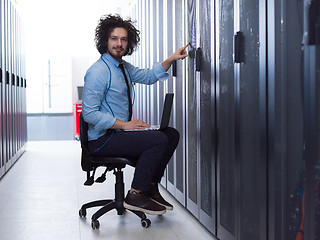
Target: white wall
61 28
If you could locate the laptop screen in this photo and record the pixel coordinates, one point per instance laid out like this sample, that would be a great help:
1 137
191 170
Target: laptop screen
166 111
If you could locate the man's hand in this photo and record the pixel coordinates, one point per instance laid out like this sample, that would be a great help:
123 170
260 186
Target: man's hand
134 124
181 53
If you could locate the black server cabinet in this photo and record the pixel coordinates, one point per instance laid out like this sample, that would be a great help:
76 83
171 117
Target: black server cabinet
178 72
250 110
226 164
13 83
241 119
176 168
12 100
6 104
200 114
205 65
312 119
9 82
247 111
285 118
169 29
191 113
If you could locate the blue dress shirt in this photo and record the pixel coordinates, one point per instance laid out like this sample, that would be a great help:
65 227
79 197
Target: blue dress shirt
105 92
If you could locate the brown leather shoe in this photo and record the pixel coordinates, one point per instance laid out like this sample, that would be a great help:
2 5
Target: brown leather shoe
138 201
155 196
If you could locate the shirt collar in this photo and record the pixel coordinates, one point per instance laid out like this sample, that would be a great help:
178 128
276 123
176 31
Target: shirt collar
110 59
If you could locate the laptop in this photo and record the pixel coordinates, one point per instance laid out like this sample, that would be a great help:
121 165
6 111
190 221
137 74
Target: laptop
165 118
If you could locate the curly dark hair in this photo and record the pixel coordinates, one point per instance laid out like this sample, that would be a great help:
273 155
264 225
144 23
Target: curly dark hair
106 25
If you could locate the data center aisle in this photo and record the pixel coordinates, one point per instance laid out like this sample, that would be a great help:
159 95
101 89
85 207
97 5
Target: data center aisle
42 193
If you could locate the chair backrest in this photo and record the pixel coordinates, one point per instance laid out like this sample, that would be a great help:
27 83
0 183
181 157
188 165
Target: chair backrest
85 155
83 133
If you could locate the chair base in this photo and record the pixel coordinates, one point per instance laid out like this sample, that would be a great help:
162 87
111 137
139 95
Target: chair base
108 204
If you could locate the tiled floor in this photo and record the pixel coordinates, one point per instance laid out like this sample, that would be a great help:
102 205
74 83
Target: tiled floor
41 194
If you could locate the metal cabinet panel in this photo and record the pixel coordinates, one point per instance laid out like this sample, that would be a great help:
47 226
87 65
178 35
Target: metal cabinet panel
312 120
170 29
7 92
179 104
226 164
191 113
12 100
200 114
241 116
250 128
285 118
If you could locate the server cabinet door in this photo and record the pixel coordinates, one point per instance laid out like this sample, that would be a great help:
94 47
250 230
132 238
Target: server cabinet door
312 120
7 89
241 117
176 185
170 86
200 114
227 197
207 128
285 118
250 132
191 112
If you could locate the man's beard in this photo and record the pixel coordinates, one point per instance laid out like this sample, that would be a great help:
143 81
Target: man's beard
118 55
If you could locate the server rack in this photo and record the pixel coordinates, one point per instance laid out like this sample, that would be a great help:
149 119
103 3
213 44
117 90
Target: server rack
246 106
12 95
6 87
176 39
311 76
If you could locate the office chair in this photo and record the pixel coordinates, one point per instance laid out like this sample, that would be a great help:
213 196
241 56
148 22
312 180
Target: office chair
90 163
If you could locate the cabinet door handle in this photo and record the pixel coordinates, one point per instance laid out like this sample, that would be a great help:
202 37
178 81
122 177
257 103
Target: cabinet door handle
7 77
174 68
198 59
239 47
13 79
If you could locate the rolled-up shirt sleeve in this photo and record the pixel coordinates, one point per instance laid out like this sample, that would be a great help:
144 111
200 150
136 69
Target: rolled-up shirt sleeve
160 73
95 85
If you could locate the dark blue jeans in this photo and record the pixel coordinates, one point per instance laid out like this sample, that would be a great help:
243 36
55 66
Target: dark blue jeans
153 149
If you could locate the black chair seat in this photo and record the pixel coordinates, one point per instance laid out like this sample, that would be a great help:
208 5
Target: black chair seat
112 160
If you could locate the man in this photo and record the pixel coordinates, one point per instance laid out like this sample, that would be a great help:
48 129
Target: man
107 107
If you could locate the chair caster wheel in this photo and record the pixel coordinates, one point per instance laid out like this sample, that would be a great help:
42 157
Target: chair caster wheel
82 213
95 224
145 223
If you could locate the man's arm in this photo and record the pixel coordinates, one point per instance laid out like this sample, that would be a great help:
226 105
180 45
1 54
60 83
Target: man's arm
181 53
